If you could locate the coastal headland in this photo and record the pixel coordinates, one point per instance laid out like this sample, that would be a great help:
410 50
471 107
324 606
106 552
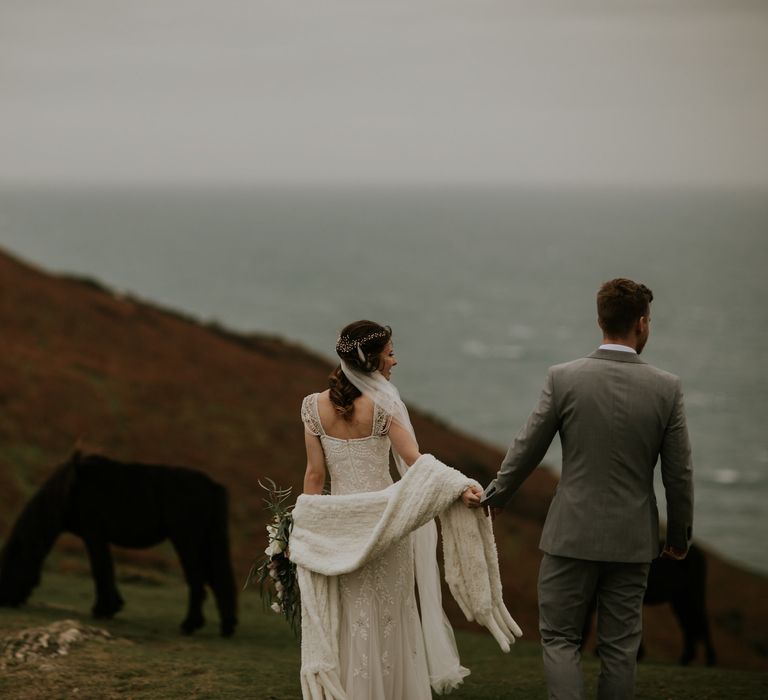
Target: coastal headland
84 366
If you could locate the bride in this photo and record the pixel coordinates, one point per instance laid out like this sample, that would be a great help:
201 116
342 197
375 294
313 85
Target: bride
349 430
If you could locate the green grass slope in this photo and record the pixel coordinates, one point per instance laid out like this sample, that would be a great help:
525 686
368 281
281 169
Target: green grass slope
148 660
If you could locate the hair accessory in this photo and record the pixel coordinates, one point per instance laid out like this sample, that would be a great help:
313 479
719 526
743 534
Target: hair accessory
346 344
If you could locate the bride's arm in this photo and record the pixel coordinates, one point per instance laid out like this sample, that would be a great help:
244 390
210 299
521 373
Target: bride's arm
314 477
406 446
404 443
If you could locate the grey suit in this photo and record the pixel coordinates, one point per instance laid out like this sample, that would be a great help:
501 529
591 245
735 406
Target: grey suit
616 415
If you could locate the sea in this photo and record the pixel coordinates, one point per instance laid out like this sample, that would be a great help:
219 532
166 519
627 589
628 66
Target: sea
484 288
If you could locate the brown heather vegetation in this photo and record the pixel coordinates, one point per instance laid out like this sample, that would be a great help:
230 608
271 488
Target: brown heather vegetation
80 364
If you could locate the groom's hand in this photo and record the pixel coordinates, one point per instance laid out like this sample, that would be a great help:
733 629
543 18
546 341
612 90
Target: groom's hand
670 552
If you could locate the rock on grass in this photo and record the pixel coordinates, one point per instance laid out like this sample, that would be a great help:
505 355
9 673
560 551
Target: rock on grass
37 644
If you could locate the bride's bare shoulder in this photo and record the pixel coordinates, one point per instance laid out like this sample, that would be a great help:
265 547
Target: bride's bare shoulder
335 424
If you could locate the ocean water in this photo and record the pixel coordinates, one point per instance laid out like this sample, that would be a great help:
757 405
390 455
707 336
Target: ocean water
484 290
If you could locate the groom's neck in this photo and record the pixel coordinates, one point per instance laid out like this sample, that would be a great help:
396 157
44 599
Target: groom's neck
628 341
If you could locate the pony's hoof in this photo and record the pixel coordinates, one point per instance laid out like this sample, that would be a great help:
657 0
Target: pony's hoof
106 611
189 626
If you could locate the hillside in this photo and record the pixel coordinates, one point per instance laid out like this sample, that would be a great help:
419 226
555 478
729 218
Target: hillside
137 382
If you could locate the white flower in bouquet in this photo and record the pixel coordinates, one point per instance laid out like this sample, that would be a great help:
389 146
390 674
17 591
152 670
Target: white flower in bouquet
275 547
282 595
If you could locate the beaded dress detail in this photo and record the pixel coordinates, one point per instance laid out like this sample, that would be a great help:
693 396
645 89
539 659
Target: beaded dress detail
381 645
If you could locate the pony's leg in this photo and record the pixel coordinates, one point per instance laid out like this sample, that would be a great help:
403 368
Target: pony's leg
711 655
687 620
694 619
214 552
108 600
699 603
221 579
193 573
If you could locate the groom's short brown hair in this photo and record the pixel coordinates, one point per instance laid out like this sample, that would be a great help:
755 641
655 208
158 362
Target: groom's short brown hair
620 302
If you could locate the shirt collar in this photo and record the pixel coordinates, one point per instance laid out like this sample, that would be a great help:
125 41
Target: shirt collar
620 348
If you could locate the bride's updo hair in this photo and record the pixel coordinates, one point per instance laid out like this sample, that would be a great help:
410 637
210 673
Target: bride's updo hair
360 345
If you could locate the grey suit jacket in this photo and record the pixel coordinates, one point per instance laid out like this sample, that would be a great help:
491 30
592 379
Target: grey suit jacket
616 416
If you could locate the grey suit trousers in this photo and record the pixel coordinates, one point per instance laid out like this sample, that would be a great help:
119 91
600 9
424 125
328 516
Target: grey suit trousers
566 588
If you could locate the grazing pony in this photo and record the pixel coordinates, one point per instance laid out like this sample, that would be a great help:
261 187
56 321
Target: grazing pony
682 584
131 505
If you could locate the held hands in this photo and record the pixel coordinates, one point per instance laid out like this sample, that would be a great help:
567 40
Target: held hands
471 496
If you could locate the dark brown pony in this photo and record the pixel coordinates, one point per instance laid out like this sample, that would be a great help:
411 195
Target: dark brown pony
682 584
131 505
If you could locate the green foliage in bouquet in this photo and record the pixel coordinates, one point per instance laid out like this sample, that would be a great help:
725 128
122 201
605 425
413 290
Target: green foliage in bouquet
274 573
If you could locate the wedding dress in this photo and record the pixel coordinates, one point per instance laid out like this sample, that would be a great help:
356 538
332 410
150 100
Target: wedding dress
381 645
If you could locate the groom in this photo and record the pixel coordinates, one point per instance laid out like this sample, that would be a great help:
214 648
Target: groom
616 416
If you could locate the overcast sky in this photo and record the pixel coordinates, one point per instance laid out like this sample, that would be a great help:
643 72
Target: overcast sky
629 92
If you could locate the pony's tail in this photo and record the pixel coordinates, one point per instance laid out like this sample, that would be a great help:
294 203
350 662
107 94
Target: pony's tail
218 562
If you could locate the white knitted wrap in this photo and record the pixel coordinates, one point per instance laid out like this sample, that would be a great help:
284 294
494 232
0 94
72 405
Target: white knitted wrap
333 535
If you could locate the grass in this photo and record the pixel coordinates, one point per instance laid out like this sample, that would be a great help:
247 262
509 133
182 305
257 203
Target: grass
150 659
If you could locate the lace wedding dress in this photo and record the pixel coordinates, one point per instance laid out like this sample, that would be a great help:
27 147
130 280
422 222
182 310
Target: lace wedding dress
381 645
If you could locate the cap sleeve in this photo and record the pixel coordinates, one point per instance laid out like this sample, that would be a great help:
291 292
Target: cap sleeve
381 420
309 415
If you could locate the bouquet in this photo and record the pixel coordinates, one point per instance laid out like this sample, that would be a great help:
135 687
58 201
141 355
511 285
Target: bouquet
275 573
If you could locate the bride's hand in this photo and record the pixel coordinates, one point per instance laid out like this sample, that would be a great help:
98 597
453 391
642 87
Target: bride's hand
471 496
